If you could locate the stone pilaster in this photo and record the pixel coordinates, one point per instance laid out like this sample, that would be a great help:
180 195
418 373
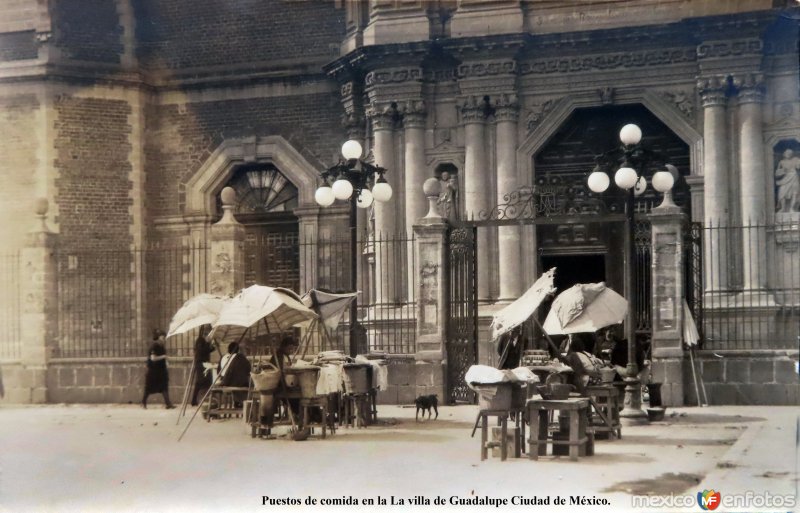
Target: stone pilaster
752 185
716 182
509 237
39 293
414 116
477 189
383 120
431 294
227 249
667 305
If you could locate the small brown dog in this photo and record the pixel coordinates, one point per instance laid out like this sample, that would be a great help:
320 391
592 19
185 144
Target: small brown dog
425 403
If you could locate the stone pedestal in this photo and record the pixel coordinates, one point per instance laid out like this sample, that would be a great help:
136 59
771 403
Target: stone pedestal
431 294
668 358
227 249
39 292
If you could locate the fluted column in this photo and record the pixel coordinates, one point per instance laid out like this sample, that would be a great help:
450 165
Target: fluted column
416 204
509 243
383 122
477 185
717 176
752 186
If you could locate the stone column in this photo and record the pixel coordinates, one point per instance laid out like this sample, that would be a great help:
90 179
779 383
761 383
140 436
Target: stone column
477 183
509 237
752 185
667 302
415 174
39 294
431 295
227 249
716 182
383 122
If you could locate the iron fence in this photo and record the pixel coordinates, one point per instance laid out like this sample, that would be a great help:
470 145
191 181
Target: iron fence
10 307
752 286
110 301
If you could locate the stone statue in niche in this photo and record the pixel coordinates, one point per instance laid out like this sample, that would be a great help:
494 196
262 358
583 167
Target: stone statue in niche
448 198
787 183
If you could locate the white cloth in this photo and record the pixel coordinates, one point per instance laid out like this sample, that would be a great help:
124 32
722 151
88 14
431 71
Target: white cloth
483 374
223 364
380 372
331 379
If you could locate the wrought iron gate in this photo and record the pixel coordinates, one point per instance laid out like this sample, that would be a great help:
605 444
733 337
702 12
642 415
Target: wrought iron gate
462 320
693 260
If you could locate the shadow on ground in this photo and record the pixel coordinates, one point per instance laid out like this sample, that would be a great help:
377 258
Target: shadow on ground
664 484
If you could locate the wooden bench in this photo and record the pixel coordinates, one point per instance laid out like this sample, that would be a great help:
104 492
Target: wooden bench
606 401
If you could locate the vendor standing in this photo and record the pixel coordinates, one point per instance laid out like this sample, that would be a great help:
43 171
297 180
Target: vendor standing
202 354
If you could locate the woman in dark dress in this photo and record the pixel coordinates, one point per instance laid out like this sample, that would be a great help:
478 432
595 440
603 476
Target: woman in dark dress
157 378
202 354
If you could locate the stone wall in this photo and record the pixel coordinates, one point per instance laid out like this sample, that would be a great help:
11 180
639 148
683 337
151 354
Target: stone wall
89 30
755 377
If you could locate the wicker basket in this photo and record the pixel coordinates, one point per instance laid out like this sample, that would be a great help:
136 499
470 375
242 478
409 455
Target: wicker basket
306 379
267 379
496 396
358 378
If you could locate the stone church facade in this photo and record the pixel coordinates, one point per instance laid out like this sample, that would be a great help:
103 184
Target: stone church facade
130 117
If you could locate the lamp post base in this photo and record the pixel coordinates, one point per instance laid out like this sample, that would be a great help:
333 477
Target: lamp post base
632 404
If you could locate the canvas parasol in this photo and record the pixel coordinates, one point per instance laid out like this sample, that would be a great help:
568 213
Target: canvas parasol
197 311
520 310
585 308
260 310
330 307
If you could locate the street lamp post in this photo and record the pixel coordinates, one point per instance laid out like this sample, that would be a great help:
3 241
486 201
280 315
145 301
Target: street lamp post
350 179
631 156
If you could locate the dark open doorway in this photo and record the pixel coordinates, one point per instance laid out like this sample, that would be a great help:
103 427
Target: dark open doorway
572 269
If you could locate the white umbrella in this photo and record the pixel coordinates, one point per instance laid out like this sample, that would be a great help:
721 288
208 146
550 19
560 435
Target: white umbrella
585 308
330 307
520 310
260 310
691 337
197 311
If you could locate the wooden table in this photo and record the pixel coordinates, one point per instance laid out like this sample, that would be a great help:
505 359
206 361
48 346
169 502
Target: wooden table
538 414
606 402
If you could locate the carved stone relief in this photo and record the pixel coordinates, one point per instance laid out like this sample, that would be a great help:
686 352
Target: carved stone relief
682 100
787 176
537 113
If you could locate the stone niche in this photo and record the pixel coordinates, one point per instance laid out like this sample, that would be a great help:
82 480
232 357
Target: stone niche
786 174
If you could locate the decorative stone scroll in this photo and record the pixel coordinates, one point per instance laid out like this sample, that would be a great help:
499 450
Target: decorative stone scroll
719 49
537 113
682 100
486 69
393 76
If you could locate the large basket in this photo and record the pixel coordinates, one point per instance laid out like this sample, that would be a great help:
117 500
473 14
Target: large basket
357 381
307 378
267 379
495 396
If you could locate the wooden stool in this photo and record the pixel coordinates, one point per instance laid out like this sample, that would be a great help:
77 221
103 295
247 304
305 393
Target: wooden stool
222 404
606 400
483 419
539 411
355 408
307 405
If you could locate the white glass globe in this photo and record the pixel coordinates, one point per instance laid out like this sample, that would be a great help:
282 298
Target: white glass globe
364 199
382 191
598 181
630 134
640 187
342 189
324 196
663 181
351 149
625 177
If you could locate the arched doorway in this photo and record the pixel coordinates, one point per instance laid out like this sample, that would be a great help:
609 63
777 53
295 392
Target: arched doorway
594 251
266 200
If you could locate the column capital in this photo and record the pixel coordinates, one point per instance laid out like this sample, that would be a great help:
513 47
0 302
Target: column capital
713 91
383 116
474 110
353 123
507 108
414 114
750 87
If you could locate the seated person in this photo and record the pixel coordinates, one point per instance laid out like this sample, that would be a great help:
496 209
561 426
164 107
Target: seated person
619 359
284 356
235 372
583 367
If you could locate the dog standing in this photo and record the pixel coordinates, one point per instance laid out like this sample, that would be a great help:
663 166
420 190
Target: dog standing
425 403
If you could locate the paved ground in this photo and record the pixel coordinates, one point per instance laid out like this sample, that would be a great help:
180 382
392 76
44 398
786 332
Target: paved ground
123 458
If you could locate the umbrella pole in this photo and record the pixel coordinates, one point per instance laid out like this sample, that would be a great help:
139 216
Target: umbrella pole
547 336
694 377
186 394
